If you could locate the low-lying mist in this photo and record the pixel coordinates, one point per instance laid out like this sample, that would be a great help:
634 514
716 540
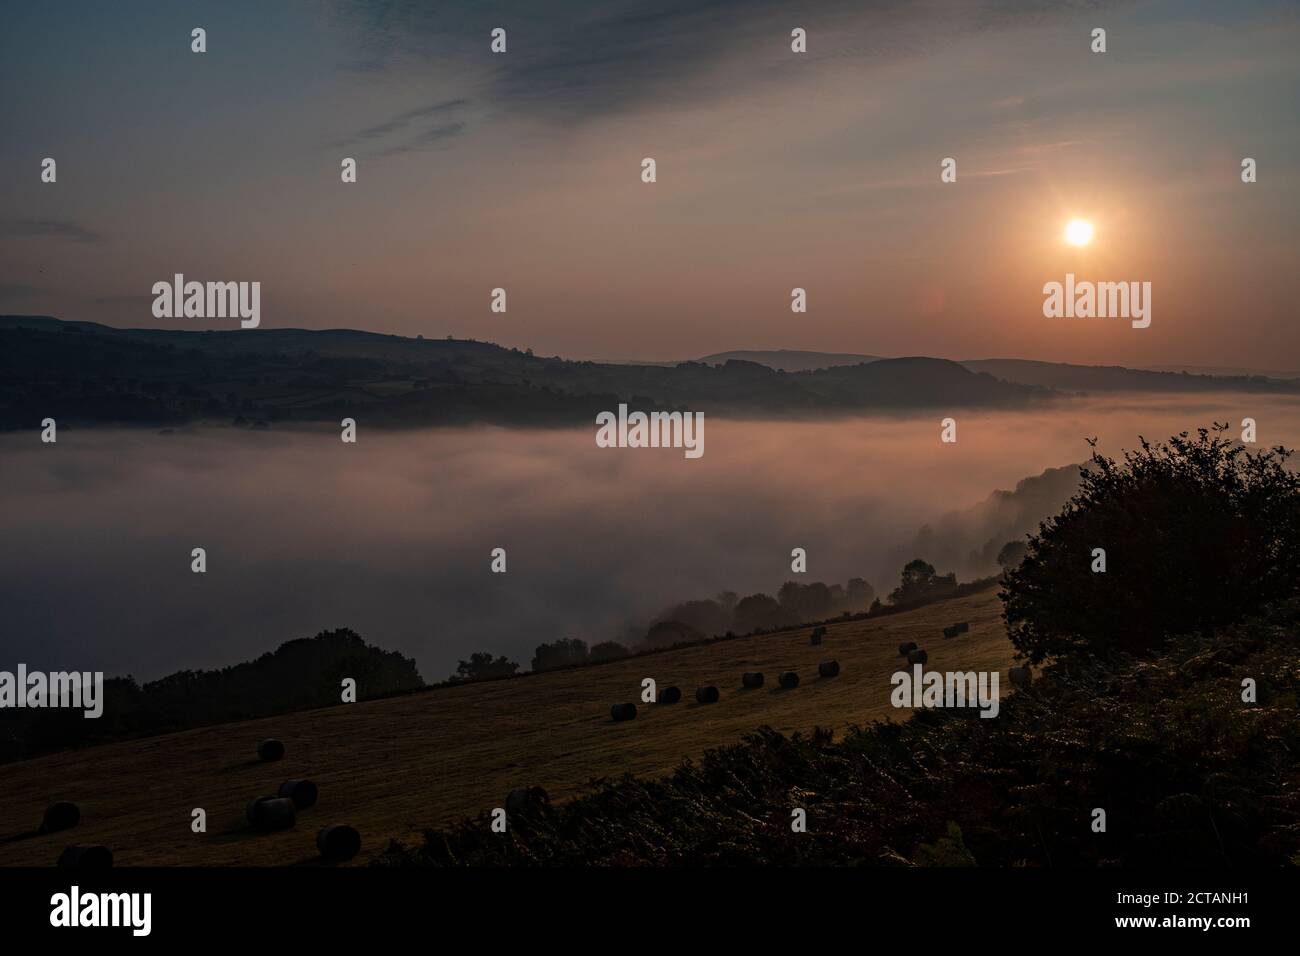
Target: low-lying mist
392 536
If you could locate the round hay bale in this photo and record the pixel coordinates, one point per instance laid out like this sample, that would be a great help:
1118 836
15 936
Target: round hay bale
525 800
752 679
707 695
918 656
623 711
270 749
788 680
1020 676
338 843
63 815
271 813
829 668
815 639
669 695
962 627
303 793
951 631
86 857
251 811
906 648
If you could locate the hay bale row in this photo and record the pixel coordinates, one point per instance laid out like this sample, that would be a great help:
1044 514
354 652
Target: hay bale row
709 694
1020 676
906 648
918 656
86 857
621 712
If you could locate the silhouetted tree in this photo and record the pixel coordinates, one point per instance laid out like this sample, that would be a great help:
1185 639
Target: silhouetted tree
565 652
664 633
709 617
920 582
758 611
483 666
607 651
298 675
1197 533
804 602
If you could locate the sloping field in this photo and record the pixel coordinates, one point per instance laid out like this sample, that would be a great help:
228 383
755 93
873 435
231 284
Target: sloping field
391 767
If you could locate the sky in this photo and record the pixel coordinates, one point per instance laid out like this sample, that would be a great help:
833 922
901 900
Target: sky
775 170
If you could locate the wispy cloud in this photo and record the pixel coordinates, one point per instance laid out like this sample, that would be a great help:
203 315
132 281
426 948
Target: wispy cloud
405 132
620 54
49 229
426 139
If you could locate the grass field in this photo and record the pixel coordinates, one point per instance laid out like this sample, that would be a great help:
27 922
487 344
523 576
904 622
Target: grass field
392 767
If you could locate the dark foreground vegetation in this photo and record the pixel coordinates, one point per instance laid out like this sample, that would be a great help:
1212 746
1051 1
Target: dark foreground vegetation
1186 772
1181 722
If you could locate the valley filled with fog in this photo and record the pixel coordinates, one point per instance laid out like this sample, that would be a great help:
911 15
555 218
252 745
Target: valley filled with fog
393 536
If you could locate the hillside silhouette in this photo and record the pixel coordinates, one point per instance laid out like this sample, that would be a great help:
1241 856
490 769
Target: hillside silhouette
86 373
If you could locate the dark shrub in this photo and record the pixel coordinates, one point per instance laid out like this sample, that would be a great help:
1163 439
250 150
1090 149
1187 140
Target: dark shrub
1198 533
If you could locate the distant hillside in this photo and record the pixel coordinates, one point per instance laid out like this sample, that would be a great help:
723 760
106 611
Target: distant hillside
791 360
84 373
1231 372
968 541
1114 378
1059 376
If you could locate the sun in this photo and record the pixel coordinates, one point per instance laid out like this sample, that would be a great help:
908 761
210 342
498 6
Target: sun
1078 232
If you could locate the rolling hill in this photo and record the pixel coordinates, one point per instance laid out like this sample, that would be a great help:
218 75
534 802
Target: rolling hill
1058 376
88 374
394 766
790 360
